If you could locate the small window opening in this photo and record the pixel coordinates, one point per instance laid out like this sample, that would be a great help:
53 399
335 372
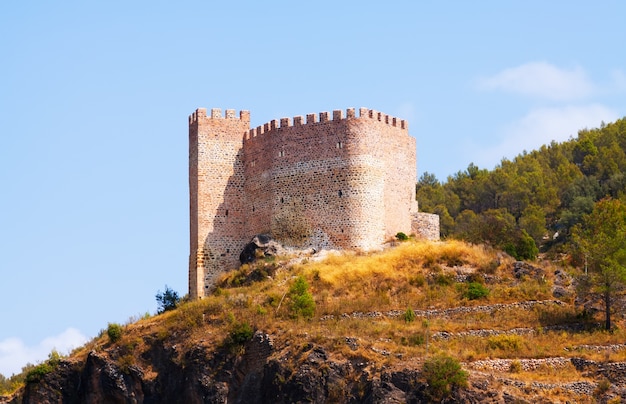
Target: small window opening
226 212
340 193
253 208
281 153
340 145
282 200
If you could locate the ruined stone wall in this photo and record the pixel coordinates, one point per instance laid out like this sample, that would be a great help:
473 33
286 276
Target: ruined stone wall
426 225
216 180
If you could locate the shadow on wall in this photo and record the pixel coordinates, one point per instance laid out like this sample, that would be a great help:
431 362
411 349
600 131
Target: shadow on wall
222 246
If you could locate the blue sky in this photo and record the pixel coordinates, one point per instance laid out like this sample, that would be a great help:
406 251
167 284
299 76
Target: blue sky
94 100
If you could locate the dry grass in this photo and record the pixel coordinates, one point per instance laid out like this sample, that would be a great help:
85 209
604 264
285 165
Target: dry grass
420 275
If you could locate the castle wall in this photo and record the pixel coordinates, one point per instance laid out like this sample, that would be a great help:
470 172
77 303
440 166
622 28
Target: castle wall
324 181
216 179
331 181
426 225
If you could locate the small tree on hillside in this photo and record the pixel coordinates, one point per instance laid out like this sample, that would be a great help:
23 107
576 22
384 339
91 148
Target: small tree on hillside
601 239
167 300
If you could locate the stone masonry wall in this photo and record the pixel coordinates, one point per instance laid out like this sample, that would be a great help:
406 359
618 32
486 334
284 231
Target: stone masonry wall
426 225
322 181
216 180
332 182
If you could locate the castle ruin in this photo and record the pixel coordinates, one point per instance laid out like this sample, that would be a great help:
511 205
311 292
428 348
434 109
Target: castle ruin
327 182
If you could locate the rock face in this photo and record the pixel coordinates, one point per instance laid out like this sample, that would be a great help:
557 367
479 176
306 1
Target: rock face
265 371
261 374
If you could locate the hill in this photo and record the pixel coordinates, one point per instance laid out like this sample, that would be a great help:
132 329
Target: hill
418 322
532 202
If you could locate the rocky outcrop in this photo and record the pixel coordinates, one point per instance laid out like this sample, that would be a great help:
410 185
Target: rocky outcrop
261 374
261 245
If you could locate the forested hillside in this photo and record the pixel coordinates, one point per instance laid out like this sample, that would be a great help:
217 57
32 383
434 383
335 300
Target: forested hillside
532 202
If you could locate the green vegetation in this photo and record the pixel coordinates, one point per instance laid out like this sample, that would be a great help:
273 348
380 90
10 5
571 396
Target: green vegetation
476 290
239 334
442 373
400 236
36 373
302 303
409 315
533 201
168 300
600 239
114 331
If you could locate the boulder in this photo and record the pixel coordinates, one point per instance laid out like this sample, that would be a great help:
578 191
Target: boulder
261 245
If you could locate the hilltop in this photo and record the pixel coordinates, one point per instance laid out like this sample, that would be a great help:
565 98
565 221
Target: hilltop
353 328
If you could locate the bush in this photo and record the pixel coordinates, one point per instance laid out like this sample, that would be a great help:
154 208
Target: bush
409 315
38 372
442 374
302 303
476 290
114 331
401 236
167 300
239 335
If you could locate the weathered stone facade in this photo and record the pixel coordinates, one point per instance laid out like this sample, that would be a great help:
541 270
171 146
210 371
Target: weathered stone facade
345 182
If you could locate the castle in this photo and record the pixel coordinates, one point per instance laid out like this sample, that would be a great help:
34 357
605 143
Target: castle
337 182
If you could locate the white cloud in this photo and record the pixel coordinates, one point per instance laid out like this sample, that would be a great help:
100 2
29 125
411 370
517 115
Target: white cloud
541 126
543 80
14 354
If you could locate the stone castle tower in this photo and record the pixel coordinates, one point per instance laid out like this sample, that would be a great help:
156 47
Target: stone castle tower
344 182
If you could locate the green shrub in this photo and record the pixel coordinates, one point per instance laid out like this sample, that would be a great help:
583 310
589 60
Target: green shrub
35 373
38 372
409 315
114 331
302 303
476 290
239 334
400 236
443 373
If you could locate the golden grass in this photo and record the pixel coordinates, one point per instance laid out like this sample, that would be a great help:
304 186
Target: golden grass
419 275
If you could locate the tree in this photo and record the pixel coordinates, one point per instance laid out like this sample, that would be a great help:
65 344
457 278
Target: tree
167 300
600 239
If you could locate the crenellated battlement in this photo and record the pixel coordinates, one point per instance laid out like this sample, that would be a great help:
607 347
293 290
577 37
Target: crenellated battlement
216 113
325 117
